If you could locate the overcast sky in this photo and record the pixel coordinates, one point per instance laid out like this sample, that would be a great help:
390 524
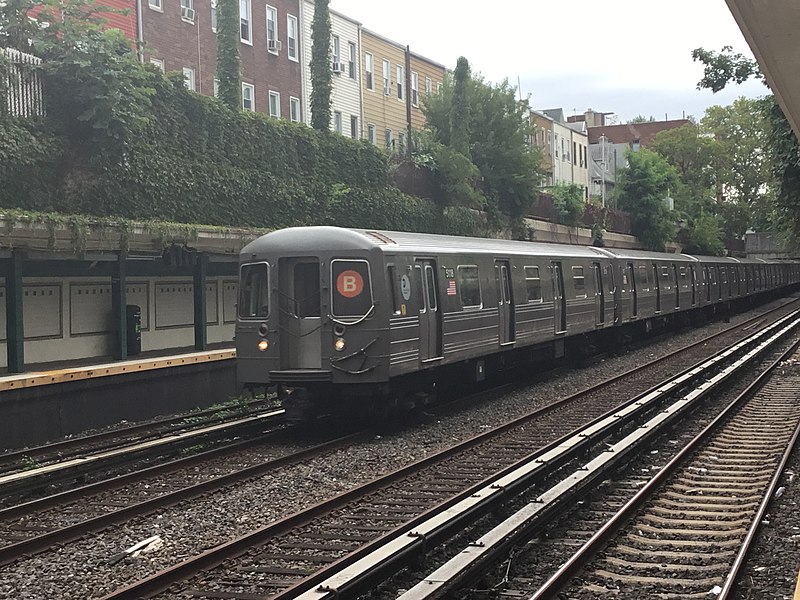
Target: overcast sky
629 57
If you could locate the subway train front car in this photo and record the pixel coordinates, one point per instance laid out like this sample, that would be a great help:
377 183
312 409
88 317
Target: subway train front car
310 321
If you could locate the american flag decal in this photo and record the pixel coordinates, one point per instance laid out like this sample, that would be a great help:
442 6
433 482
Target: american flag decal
451 287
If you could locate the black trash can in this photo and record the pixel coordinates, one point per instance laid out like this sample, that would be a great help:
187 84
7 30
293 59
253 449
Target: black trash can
133 320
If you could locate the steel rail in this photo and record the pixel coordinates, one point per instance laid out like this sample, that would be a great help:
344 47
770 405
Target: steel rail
610 528
43 542
213 557
172 423
12 481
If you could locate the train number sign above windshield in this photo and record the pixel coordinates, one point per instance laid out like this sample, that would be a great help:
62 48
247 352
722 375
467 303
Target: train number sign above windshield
352 293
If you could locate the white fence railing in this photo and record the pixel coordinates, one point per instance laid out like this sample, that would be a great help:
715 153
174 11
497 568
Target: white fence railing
24 97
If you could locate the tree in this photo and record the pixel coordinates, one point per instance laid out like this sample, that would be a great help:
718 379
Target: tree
724 67
642 119
704 236
694 156
742 131
460 113
497 142
641 190
568 202
228 63
321 74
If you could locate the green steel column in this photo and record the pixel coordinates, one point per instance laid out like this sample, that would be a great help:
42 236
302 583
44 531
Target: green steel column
118 303
200 302
15 330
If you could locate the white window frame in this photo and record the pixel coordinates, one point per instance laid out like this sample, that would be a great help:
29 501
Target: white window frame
369 69
293 55
273 37
401 141
294 109
156 5
351 59
414 88
372 137
158 62
252 88
248 17
275 98
188 4
388 139
216 87
355 131
337 121
387 78
336 48
188 79
214 16
428 86
401 77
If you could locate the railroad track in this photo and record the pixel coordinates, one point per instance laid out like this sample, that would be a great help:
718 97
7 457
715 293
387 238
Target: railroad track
284 558
674 549
13 461
110 463
687 532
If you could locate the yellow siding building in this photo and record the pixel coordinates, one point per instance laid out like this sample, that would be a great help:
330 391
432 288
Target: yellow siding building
426 79
383 91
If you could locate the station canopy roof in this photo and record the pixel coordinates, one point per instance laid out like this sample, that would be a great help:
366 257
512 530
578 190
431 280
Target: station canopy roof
772 29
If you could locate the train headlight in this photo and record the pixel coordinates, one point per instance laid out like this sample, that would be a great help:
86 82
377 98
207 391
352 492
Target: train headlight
263 345
339 344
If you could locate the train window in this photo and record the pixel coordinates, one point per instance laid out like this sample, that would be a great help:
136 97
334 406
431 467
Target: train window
306 290
254 291
469 287
665 273
391 271
579 281
419 289
641 278
351 288
533 284
430 285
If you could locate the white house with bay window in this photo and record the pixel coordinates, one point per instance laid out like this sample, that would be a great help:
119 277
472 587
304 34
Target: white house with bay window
345 52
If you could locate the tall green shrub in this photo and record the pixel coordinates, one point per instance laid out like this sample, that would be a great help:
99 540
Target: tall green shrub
228 62
321 72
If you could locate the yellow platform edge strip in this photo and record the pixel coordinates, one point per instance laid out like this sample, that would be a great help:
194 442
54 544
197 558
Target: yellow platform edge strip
29 380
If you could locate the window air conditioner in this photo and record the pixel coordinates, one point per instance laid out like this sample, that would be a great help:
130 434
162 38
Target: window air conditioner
338 67
187 13
274 45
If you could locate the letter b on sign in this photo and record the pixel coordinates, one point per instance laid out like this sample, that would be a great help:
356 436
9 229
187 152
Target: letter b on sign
349 284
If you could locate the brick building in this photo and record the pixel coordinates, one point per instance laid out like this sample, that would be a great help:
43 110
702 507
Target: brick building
180 35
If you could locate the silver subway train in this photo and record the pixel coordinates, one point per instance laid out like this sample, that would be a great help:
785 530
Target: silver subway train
340 317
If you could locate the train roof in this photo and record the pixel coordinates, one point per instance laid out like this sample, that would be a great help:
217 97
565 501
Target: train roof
338 238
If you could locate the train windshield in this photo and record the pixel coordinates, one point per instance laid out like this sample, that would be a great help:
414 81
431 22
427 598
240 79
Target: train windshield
352 289
254 291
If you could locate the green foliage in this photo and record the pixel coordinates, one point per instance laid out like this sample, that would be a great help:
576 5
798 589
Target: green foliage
321 74
641 189
695 157
704 236
786 168
642 119
455 176
508 167
723 67
460 112
568 201
228 62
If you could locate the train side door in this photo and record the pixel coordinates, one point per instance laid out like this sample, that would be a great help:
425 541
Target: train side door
677 286
505 301
693 276
299 286
599 297
430 338
657 287
559 300
634 295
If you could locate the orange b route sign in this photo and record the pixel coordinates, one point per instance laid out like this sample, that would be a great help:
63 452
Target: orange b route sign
349 284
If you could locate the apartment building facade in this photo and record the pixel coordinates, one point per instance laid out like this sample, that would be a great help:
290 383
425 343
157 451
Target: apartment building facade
569 152
180 35
425 79
346 90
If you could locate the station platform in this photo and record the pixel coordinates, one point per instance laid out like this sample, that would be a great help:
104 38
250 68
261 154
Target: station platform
64 399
